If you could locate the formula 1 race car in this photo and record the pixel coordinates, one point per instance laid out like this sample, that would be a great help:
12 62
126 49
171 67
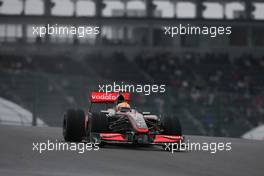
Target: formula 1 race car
124 125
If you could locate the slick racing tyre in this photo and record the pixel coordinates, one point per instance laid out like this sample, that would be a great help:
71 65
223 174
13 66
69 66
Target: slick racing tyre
99 123
171 126
74 125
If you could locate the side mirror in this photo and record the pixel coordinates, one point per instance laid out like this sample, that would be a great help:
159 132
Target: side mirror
146 113
104 111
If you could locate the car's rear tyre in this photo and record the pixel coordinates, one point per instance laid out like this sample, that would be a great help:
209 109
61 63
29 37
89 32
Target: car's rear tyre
171 126
99 123
74 125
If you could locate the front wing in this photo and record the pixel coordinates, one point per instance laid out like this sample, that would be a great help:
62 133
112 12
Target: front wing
117 138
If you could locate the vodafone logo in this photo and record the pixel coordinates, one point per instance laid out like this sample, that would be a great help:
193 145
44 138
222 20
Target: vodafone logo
101 97
104 97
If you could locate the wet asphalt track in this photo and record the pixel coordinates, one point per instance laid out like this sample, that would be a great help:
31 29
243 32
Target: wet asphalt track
18 159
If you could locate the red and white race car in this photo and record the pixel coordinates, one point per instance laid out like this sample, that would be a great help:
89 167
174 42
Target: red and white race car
124 125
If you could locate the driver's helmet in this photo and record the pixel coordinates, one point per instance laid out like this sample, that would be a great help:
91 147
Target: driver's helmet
120 99
123 107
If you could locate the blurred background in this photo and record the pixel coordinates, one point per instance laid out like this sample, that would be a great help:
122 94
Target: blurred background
214 85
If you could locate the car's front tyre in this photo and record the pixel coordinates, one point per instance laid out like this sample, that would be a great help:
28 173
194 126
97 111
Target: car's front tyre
171 126
74 125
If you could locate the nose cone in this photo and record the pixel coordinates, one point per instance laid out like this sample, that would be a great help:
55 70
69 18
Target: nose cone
138 122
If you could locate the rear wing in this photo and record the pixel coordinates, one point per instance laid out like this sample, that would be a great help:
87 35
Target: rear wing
106 97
